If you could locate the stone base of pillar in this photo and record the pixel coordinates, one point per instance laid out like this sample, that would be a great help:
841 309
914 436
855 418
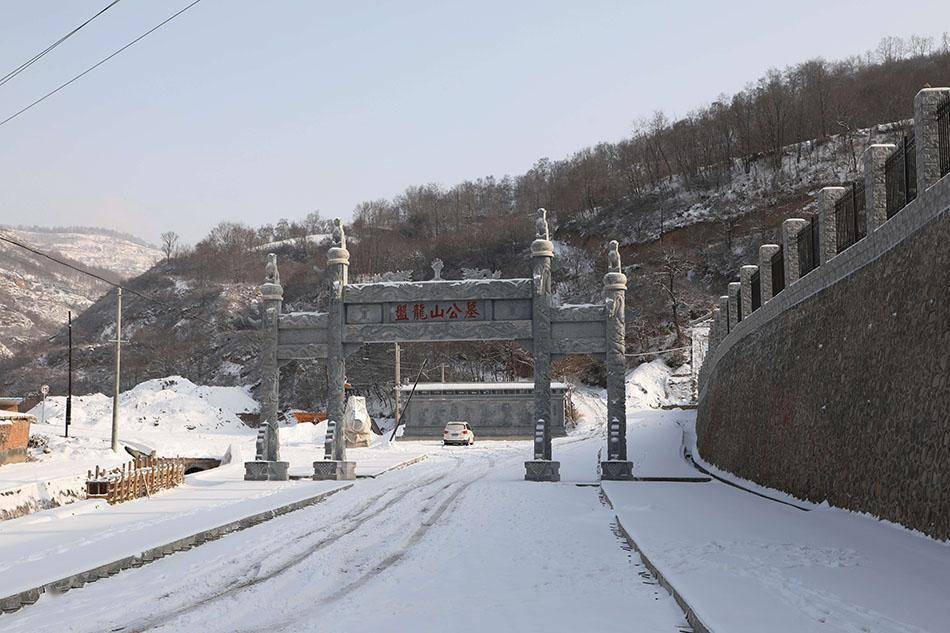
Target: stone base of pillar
265 471
334 470
542 470
616 471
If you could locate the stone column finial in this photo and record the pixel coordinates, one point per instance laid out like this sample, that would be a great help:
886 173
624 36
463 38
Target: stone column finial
790 230
926 137
542 468
724 315
827 223
732 291
745 289
615 287
766 253
875 187
334 465
267 464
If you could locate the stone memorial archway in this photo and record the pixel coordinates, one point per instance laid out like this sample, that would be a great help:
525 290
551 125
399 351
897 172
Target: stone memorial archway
518 310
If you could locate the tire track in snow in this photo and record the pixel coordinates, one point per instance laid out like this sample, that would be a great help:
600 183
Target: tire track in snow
451 494
352 520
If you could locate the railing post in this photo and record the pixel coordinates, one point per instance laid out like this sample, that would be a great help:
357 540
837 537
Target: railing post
715 332
724 316
745 289
766 252
732 291
926 103
827 227
790 230
267 464
875 184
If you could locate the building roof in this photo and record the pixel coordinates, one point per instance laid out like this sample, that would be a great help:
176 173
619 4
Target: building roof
13 415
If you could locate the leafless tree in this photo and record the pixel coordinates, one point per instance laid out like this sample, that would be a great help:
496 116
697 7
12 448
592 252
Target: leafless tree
169 243
672 268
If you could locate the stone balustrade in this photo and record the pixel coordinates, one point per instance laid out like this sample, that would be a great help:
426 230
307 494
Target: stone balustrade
849 323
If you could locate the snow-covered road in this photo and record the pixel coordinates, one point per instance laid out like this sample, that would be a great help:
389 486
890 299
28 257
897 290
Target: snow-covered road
458 542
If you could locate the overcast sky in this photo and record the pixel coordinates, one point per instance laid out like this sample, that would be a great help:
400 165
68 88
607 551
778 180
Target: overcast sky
253 110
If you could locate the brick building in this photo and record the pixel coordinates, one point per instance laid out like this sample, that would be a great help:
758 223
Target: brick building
14 431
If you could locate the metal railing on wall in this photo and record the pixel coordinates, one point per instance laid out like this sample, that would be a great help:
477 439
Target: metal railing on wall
778 271
900 175
853 219
943 137
807 242
850 217
756 283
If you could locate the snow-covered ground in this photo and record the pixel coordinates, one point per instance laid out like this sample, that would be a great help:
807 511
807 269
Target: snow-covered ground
460 542
170 415
750 564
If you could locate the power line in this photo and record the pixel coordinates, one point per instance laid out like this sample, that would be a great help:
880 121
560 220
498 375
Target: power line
19 69
36 251
659 351
99 63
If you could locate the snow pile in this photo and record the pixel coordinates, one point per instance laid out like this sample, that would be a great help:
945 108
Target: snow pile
590 409
27 497
172 404
646 386
172 416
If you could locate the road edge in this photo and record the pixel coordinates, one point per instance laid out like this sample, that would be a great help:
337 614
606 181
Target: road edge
691 616
27 597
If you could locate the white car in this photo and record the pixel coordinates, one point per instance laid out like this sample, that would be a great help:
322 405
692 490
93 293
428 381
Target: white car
458 433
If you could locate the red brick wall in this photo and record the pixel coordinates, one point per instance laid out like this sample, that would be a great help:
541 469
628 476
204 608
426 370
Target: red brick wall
15 434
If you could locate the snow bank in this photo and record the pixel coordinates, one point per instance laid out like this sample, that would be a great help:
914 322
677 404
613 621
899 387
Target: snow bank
646 385
655 385
173 404
172 416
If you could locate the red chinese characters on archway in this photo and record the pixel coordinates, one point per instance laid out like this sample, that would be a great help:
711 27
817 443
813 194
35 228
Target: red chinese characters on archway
438 311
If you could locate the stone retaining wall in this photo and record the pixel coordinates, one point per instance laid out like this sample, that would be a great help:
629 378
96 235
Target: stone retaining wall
837 388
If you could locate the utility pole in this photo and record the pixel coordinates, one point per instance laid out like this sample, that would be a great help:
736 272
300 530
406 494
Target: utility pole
442 367
69 371
398 380
118 360
44 391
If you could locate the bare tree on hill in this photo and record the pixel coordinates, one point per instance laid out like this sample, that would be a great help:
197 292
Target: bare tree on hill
169 243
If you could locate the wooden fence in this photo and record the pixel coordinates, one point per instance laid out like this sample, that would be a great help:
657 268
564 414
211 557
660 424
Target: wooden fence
138 478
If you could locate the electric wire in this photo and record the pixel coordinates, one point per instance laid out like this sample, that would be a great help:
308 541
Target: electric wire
97 64
19 69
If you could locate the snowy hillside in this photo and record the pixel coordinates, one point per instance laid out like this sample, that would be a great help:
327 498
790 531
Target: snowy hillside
126 257
36 294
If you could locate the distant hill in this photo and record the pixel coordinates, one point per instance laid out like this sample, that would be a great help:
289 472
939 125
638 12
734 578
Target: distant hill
36 294
116 252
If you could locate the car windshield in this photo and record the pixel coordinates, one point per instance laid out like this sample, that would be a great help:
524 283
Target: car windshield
455 427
